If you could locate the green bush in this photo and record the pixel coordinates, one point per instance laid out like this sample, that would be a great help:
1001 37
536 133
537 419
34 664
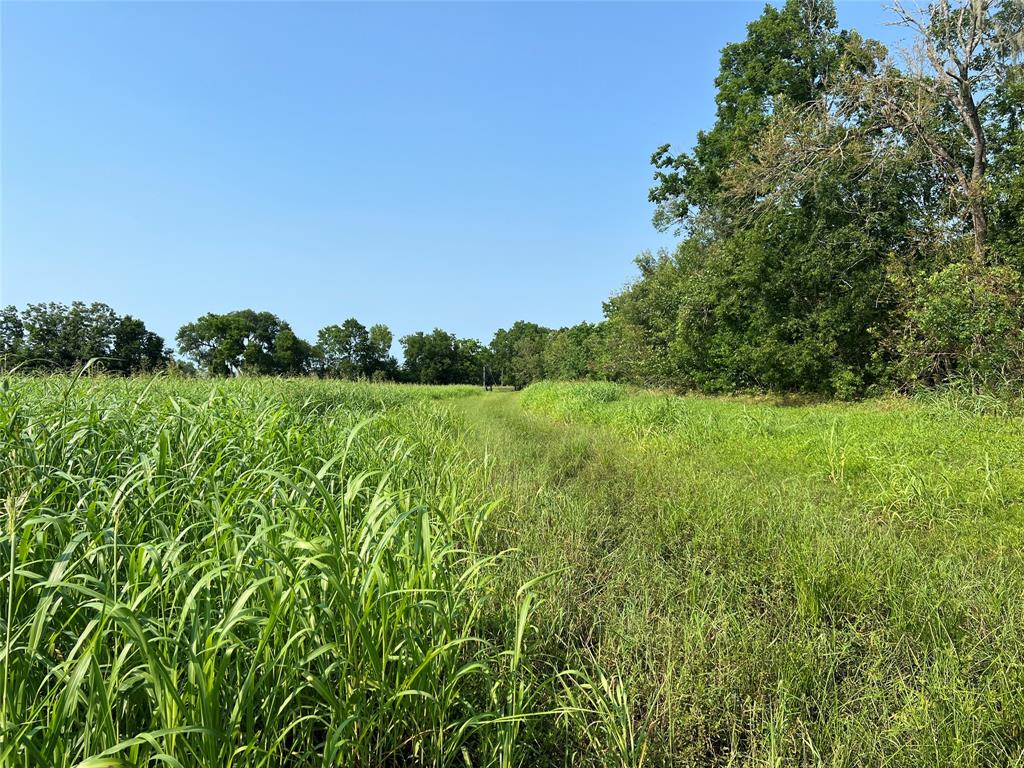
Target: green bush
965 323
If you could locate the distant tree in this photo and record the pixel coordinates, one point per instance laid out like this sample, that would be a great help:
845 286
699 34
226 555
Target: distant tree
12 337
244 341
62 337
569 353
431 358
1007 180
643 322
351 351
135 348
377 362
214 342
56 336
182 368
292 355
343 348
440 357
518 353
472 358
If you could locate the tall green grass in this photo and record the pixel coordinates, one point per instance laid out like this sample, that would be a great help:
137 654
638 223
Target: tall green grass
259 573
300 573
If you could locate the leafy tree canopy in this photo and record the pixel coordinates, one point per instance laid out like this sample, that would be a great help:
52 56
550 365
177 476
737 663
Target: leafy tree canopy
56 336
352 351
440 357
244 341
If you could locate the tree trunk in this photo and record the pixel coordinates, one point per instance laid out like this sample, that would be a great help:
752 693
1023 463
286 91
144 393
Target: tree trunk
979 219
976 194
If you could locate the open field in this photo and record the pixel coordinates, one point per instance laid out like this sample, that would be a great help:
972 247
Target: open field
271 572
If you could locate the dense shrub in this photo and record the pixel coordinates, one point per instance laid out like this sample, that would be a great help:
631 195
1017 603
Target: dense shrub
965 323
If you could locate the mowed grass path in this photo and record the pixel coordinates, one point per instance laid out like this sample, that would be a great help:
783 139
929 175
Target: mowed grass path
764 585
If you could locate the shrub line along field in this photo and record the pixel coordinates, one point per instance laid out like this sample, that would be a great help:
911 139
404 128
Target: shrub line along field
270 572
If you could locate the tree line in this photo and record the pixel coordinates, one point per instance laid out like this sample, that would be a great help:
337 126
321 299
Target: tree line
853 221
55 336
247 342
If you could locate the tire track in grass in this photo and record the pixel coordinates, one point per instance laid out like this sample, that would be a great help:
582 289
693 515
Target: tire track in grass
572 501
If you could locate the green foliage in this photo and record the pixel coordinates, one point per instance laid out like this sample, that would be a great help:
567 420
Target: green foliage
12 335
281 572
440 357
572 353
350 351
778 306
59 337
135 348
292 355
244 341
779 585
826 164
779 282
642 322
253 573
786 59
1007 187
966 323
518 353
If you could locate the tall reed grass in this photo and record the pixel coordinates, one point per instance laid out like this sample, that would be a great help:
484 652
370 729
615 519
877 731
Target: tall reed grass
252 573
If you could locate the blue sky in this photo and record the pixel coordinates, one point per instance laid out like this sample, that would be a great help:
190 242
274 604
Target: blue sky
429 164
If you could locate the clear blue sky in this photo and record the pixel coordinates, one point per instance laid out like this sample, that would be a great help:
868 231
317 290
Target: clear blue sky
452 165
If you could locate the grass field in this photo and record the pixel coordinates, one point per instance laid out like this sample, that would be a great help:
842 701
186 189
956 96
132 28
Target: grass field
267 572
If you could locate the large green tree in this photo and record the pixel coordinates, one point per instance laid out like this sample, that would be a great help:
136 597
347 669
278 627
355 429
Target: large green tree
949 99
791 225
1007 170
440 357
12 337
378 363
929 145
518 353
342 347
352 351
572 353
788 58
243 341
136 348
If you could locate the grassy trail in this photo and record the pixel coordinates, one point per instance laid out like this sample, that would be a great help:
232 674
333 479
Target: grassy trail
571 510
773 586
584 505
